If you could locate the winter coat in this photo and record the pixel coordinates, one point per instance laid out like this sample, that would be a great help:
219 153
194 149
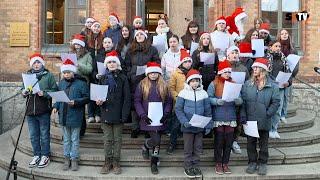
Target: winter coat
237 66
139 58
247 62
176 83
141 106
214 38
261 105
114 34
208 71
77 90
85 66
116 108
191 102
186 43
169 62
42 104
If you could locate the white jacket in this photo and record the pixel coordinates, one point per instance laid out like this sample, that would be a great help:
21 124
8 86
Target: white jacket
169 62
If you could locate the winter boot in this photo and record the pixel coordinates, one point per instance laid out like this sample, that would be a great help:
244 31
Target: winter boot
116 166
107 166
154 165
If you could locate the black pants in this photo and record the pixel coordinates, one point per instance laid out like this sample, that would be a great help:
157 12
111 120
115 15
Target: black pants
263 146
223 138
84 124
154 143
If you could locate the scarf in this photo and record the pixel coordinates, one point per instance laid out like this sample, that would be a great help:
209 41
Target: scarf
162 30
110 81
39 72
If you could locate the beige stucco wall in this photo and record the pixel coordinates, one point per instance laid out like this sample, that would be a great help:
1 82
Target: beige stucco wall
178 11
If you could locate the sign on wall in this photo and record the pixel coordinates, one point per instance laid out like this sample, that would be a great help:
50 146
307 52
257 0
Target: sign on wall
19 34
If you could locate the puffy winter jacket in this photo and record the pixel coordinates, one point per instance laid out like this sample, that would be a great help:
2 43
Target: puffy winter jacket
169 62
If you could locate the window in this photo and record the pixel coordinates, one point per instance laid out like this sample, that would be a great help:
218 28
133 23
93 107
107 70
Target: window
275 11
63 18
200 11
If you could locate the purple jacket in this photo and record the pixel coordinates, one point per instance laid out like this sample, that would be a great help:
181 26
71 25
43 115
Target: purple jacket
141 106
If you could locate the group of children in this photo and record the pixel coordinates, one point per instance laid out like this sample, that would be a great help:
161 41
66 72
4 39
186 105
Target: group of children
136 76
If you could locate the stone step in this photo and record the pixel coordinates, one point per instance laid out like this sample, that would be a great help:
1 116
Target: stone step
132 157
296 121
308 171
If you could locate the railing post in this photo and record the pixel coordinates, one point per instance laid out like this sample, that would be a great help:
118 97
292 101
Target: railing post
1 120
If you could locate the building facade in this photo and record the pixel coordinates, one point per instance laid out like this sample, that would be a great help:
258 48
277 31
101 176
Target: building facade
50 24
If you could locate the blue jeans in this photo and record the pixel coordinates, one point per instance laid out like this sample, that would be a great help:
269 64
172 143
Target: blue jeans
276 118
71 141
39 132
285 101
93 109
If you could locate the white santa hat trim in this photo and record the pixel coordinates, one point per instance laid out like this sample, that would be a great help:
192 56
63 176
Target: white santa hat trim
194 76
264 30
140 31
137 19
68 67
220 21
225 70
232 48
112 58
78 41
90 20
245 55
37 58
240 16
153 69
258 64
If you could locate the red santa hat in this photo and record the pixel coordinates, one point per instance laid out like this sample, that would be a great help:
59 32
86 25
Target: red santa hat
112 56
245 49
261 62
203 34
78 39
137 18
184 56
232 48
224 66
68 65
193 74
239 18
221 19
265 27
140 31
36 57
114 15
153 67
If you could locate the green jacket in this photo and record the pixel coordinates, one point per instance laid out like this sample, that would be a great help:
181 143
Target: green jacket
85 66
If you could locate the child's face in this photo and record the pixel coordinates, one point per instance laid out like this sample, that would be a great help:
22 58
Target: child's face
68 74
276 47
206 40
193 29
284 35
125 32
36 65
233 56
107 43
194 83
137 24
221 26
89 24
140 37
112 65
162 24
255 35
226 75
113 21
96 29
173 43
257 25
153 76
187 64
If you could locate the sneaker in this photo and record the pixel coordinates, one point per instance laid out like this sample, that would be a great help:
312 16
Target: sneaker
35 161
226 169
219 169
262 169
197 172
91 120
236 148
283 119
44 162
252 167
189 172
170 149
276 135
97 119
272 134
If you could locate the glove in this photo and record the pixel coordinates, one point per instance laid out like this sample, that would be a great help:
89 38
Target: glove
207 131
187 125
25 92
238 101
146 119
253 52
220 102
98 76
163 119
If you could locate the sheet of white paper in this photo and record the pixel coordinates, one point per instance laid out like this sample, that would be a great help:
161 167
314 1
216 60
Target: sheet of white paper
155 113
207 58
193 47
199 121
101 68
159 42
221 42
59 96
238 77
71 56
98 92
283 78
29 80
141 70
258 46
293 61
231 91
251 129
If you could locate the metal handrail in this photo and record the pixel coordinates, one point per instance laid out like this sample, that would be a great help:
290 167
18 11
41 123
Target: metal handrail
312 87
11 97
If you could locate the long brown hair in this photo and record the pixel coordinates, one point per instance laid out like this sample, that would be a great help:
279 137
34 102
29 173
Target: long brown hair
145 45
91 40
188 35
288 41
81 53
162 88
247 38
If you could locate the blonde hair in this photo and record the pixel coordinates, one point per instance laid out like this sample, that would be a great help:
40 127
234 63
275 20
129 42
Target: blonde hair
254 79
200 48
162 88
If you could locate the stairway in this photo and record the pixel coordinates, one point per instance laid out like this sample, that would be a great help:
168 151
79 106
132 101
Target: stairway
295 156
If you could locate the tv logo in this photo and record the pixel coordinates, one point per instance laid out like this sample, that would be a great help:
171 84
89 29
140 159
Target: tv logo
299 16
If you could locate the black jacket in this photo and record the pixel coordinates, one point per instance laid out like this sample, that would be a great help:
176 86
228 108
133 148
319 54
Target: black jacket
117 106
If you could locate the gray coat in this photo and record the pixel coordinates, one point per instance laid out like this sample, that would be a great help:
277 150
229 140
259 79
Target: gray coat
261 105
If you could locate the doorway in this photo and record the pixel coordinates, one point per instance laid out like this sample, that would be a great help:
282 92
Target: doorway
150 10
